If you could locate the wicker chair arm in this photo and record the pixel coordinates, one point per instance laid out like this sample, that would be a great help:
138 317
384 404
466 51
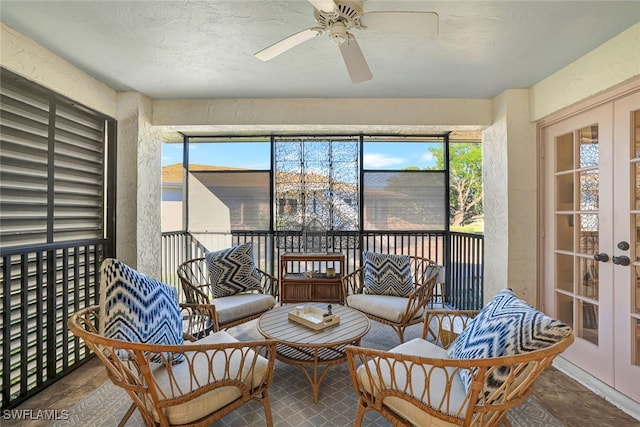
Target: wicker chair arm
353 283
198 320
387 374
193 294
422 294
268 283
443 326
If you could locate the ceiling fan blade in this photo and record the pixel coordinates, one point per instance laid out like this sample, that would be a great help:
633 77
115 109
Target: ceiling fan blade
287 43
423 24
323 5
354 60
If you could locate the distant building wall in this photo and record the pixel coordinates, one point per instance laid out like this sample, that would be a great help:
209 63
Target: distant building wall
171 216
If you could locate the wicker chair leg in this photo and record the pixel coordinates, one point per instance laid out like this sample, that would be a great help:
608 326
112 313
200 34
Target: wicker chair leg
362 408
267 408
505 421
400 332
127 415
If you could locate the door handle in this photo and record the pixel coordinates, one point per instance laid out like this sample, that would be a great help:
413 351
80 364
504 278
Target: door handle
603 257
621 260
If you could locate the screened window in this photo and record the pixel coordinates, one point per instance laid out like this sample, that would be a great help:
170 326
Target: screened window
407 200
229 187
328 183
404 185
317 184
242 195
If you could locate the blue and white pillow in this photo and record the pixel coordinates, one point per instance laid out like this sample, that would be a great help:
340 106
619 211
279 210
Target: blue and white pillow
232 270
138 308
387 274
506 326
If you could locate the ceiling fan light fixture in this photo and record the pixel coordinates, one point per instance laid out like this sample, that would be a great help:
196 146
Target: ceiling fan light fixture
338 33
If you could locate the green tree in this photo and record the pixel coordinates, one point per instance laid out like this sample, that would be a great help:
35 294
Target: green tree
465 180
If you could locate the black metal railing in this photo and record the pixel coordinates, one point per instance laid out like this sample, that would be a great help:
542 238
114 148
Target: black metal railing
460 253
41 287
465 275
178 247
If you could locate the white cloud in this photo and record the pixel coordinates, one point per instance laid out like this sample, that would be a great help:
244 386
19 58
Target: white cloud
381 160
428 158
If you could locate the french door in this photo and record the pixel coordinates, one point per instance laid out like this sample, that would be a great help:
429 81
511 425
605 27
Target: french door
592 238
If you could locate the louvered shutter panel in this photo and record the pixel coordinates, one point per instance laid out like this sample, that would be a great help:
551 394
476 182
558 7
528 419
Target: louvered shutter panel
24 119
78 175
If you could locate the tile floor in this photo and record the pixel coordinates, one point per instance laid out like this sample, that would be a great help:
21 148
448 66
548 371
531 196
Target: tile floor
564 398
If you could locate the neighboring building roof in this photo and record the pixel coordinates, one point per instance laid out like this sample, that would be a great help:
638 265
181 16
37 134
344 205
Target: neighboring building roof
172 174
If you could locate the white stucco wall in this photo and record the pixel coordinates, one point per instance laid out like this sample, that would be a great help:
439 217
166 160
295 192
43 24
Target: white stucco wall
27 58
139 212
614 62
441 113
509 169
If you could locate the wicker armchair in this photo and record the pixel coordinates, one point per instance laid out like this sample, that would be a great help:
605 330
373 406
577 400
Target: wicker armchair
231 310
397 312
417 384
218 375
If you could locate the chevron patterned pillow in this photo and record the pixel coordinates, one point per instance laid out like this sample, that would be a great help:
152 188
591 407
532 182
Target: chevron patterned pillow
387 274
138 308
232 270
506 326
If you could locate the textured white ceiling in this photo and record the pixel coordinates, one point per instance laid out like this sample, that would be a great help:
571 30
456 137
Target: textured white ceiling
204 49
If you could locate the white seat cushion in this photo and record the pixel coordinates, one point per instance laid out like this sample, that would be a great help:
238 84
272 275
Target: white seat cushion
237 306
384 306
217 398
437 383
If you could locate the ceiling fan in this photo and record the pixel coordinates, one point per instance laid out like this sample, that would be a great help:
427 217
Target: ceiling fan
339 17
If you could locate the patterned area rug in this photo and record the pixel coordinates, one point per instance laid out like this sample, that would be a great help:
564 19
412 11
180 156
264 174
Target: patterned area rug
291 396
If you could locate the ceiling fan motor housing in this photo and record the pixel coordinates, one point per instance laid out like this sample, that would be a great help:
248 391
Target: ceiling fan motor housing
348 12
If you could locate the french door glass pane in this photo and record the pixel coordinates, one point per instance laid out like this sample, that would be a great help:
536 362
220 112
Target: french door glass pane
589 190
589 276
588 234
589 329
589 152
564 265
564 152
564 232
564 309
564 192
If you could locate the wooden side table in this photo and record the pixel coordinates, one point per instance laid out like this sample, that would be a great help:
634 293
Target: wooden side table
304 278
313 351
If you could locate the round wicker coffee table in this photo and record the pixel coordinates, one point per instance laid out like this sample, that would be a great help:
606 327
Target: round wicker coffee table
309 349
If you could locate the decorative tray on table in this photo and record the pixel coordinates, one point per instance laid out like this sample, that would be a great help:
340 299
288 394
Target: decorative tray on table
314 318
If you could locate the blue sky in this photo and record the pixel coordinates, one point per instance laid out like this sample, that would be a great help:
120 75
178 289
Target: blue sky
377 155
